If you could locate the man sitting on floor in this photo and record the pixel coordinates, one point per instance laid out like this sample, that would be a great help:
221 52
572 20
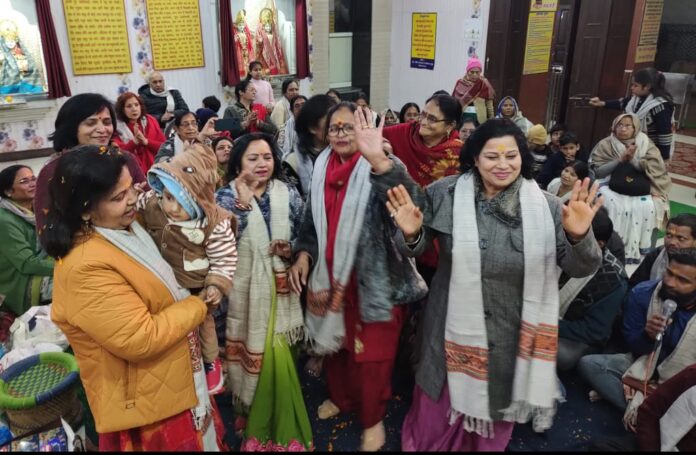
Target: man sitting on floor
622 378
589 305
680 233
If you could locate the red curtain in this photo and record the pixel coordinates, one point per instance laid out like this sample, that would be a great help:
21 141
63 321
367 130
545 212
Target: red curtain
302 39
229 71
55 71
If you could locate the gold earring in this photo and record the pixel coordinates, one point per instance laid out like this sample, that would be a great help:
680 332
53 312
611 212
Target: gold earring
86 224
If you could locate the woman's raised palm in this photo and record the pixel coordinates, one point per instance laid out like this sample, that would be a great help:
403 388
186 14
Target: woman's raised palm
407 216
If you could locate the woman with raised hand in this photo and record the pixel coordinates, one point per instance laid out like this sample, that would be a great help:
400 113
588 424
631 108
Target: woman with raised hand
487 360
355 279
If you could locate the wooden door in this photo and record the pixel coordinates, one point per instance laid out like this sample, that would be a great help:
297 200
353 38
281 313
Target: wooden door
560 61
586 71
507 30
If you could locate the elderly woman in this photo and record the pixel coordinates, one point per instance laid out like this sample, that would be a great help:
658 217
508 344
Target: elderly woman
137 131
131 327
475 93
25 271
489 360
87 118
356 279
186 132
653 105
264 319
635 184
253 117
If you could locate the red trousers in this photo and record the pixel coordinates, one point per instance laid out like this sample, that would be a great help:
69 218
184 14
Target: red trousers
359 379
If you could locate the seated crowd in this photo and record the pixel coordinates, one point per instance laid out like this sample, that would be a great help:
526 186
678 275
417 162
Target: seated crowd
190 254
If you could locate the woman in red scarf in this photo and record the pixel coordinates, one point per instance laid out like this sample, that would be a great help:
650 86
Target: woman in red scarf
137 131
475 93
351 314
430 150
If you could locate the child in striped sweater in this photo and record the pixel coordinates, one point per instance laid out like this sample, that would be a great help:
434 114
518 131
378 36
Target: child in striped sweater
195 236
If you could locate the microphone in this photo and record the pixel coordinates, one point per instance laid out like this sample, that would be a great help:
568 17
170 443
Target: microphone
668 307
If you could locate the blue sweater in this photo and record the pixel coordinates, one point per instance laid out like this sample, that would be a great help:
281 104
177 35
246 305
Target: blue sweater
635 317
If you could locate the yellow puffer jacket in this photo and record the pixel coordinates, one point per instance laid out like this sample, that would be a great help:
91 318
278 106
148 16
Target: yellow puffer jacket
128 335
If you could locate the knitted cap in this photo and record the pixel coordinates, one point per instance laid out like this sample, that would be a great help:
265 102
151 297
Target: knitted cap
537 134
473 63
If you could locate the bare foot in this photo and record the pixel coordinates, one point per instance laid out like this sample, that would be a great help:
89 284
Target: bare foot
327 410
373 438
314 366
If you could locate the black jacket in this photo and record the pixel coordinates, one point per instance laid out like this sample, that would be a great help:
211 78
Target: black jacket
157 106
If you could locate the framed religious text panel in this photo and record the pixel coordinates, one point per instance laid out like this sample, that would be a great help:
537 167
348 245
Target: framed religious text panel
423 37
175 34
98 36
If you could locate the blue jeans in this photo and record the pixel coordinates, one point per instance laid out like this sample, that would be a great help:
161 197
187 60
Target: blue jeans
603 372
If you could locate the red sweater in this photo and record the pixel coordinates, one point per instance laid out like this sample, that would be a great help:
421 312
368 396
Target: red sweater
656 405
145 154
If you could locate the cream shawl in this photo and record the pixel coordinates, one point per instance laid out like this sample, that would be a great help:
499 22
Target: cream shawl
683 356
260 277
535 387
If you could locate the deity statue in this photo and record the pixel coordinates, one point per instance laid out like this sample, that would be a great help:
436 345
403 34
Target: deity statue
243 42
269 50
19 73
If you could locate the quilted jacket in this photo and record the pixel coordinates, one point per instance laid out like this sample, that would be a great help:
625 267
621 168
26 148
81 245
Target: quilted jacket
128 335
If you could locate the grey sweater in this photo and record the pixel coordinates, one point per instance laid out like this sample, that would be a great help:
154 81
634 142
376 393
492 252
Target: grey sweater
502 274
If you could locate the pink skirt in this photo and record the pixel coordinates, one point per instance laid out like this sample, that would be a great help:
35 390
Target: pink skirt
426 428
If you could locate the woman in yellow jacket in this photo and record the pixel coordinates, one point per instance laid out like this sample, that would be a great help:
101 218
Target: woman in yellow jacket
131 327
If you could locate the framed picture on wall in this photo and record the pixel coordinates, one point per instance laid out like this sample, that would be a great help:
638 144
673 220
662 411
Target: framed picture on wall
22 67
264 30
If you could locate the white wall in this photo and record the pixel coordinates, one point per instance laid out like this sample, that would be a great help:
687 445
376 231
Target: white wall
453 18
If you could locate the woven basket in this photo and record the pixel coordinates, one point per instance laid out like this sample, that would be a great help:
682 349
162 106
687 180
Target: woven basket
37 391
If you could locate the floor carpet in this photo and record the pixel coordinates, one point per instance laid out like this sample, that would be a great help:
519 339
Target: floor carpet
578 424
683 160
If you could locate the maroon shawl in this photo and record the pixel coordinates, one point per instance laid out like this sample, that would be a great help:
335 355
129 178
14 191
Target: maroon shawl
465 91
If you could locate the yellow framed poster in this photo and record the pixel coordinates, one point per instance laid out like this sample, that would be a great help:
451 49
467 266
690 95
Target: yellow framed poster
423 37
175 34
97 46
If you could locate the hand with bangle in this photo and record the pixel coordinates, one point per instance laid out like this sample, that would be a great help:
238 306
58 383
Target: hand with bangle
245 185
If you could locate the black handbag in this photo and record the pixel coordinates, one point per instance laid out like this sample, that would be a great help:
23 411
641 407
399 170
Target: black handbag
629 181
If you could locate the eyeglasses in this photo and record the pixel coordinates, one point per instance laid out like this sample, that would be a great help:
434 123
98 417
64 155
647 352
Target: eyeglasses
347 129
189 125
26 180
625 127
429 118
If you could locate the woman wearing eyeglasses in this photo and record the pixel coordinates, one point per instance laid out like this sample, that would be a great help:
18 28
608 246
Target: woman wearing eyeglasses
25 271
635 184
345 257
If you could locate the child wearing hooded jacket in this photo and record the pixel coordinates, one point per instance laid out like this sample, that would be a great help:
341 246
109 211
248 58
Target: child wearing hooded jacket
195 236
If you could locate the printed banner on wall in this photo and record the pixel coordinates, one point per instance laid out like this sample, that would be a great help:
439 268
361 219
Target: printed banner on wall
539 36
423 36
649 31
98 36
175 34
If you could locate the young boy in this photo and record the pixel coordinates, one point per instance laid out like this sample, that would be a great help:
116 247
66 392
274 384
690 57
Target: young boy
195 236
264 91
554 165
